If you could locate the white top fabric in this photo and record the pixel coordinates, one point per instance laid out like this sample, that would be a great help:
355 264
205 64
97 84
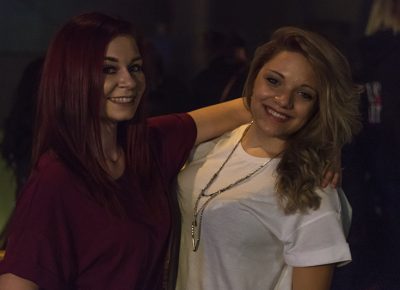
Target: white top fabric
247 242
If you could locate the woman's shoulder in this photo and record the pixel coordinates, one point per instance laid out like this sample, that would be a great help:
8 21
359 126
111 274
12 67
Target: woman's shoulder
171 123
330 205
52 169
172 130
330 200
49 179
334 200
51 188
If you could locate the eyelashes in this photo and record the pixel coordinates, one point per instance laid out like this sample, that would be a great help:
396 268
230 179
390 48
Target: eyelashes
272 81
111 69
276 84
306 95
135 68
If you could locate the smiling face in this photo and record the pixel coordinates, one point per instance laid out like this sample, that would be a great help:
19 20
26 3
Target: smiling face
284 95
124 82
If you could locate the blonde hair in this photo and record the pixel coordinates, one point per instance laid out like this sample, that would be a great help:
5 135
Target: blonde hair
310 150
384 15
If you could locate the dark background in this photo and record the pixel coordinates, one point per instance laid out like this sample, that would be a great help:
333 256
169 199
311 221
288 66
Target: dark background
26 27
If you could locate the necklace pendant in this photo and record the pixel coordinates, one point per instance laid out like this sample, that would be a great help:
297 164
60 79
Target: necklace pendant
195 242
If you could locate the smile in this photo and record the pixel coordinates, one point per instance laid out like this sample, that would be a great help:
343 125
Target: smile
276 114
121 100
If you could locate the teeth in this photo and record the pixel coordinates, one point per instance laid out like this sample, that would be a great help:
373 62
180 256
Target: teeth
276 114
122 100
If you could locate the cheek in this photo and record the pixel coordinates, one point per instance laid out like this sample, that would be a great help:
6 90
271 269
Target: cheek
263 93
252 103
309 111
107 87
103 107
257 92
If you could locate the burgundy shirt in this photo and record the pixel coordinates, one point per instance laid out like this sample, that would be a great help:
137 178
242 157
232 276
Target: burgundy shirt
60 239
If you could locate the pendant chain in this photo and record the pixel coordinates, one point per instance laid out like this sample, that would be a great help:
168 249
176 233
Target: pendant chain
198 212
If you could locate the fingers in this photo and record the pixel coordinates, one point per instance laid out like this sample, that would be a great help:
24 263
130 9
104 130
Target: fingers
333 173
328 177
336 180
332 178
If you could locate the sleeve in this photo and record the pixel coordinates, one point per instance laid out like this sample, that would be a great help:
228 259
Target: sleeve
318 237
173 138
38 247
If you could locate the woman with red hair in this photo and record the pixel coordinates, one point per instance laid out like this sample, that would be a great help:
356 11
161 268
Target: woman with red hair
96 212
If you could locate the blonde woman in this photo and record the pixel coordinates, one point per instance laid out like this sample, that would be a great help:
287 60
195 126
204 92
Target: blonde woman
254 215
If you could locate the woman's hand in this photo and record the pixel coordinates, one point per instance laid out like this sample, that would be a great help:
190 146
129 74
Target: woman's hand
331 177
333 173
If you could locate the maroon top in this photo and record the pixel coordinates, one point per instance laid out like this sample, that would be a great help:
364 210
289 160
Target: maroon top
62 240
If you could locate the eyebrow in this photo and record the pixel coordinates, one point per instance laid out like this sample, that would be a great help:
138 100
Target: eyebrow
114 59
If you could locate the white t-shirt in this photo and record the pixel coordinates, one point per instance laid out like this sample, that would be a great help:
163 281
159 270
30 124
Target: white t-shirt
247 242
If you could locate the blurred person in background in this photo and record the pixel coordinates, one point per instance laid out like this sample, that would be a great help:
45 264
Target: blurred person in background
223 77
17 131
376 151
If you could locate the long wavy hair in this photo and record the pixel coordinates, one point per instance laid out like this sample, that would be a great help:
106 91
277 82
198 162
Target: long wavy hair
69 98
311 150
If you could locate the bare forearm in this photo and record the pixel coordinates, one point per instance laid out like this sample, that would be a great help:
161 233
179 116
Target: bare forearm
12 282
215 120
312 278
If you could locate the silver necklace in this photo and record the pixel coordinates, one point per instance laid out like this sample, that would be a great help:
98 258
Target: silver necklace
198 212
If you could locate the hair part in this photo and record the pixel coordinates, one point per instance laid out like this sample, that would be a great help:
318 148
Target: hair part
312 149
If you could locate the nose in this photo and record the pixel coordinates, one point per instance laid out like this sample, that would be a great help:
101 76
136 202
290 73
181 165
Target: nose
127 80
284 100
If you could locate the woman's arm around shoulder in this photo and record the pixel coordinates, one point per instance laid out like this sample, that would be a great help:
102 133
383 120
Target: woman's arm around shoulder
313 277
217 119
10 281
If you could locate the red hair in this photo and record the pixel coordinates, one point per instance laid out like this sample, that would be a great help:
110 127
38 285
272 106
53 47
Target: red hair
68 118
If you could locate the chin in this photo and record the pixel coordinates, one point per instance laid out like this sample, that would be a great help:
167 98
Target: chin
121 118
269 130
126 118
123 115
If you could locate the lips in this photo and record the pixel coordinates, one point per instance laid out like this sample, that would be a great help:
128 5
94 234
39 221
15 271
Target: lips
121 100
276 115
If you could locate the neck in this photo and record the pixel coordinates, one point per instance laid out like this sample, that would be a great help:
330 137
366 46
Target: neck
109 140
113 153
256 143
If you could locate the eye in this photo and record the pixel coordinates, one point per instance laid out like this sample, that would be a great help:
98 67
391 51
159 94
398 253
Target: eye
135 68
306 95
272 81
109 69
